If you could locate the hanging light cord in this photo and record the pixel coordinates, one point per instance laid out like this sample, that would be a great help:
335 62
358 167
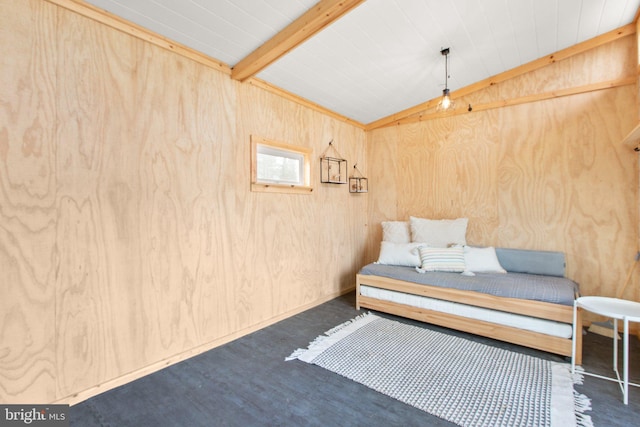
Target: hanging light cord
446 70
445 52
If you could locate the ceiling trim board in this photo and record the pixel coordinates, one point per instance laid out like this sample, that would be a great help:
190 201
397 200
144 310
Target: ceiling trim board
107 18
254 81
559 93
314 20
534 65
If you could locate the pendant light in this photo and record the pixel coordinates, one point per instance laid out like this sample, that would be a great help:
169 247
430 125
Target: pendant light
446 103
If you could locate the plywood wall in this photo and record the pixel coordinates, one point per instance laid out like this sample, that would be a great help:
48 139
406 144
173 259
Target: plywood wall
550 175
129 237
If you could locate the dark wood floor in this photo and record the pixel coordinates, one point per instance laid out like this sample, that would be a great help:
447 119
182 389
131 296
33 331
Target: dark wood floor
248 383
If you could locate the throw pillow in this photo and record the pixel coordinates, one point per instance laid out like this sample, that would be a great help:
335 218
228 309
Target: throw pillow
482 260
439 233
399 254
442 259
396 231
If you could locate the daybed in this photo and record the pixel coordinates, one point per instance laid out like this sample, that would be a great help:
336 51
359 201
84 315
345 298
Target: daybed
531 304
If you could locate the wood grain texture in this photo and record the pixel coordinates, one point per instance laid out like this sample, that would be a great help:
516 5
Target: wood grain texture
326 228
545 175
116 22
383 183
96 111
28 215
129 237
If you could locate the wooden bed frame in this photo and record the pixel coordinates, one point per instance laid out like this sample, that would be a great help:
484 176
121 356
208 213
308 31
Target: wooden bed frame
543 310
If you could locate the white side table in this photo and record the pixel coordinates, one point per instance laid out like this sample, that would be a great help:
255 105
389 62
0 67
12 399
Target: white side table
617 309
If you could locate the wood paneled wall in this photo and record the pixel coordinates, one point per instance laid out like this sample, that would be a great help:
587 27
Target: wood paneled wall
129 238
549 175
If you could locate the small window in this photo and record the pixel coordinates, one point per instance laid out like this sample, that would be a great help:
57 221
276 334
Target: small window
279 167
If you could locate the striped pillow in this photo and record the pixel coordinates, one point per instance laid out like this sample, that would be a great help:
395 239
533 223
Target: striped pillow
442 259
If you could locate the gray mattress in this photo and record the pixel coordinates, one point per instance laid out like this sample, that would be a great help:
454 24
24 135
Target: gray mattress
556 290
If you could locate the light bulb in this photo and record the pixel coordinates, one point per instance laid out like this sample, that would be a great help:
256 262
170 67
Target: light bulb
446 102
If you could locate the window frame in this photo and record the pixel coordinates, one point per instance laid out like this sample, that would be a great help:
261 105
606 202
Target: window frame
271 187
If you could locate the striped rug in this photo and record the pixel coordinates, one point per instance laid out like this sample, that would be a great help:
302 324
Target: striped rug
459 380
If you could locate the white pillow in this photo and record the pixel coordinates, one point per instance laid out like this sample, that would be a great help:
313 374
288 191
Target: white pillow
396 231
399 254
442 259
482 260
439 233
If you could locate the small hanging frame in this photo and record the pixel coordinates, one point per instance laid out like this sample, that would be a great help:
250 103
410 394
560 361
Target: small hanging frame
333 169
357 182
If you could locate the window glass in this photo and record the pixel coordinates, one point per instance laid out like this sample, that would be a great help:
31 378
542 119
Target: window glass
279 167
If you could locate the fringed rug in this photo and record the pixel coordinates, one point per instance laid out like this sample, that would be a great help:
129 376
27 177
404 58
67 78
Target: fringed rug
459 380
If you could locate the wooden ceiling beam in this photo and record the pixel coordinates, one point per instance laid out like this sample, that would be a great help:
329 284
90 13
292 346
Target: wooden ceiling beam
315 19
605 38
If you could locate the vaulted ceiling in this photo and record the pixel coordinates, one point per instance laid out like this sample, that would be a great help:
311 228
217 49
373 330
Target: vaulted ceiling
366 60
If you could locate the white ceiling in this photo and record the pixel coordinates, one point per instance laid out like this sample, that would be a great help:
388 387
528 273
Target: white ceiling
383 56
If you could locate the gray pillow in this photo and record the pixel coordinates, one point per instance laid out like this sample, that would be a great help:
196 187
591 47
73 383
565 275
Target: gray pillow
548 263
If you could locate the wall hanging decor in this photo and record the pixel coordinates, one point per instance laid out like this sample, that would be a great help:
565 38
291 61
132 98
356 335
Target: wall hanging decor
333 169
357 182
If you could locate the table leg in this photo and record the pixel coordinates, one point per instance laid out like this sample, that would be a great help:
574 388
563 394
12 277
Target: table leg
573 337
626 361
615 345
